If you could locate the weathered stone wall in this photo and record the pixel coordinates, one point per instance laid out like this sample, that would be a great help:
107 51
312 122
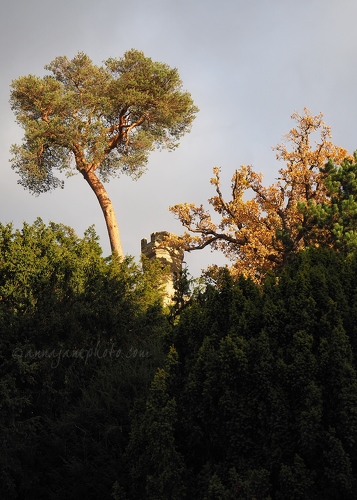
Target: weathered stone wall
169 256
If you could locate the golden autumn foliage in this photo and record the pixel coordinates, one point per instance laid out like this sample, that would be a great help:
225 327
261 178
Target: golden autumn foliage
259 233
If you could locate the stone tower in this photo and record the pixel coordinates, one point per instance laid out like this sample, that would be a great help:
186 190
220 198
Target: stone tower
169 256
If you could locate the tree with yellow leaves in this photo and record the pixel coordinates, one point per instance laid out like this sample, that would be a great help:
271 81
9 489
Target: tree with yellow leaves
259 234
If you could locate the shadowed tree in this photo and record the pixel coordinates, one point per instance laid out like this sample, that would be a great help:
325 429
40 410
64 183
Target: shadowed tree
64 418
98 120
157 468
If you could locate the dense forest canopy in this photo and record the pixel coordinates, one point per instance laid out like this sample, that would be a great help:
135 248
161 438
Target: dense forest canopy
239 391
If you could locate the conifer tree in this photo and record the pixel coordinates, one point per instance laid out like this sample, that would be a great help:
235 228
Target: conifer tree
100 121
158 468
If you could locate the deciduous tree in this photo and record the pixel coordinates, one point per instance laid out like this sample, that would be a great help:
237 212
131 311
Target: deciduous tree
98 120
259 233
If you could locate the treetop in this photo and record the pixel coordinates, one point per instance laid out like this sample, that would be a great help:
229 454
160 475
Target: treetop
100 118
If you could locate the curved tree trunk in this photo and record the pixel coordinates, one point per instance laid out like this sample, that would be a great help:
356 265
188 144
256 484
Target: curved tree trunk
108 211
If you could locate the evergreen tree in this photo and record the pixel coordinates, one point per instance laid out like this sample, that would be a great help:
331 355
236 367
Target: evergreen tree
157 468
100 121
81 340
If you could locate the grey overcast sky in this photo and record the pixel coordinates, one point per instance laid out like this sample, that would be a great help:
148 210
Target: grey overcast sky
247 63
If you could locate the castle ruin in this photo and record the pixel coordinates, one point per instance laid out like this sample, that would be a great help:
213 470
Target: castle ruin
171 257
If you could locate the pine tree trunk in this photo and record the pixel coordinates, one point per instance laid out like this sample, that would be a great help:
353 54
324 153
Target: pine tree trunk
108 211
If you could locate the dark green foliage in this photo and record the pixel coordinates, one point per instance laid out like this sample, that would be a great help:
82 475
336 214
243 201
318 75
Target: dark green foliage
81 340
265 384
296 482
157 468
239 392
337 215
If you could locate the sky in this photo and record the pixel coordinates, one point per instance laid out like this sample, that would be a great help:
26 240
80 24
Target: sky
248 64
